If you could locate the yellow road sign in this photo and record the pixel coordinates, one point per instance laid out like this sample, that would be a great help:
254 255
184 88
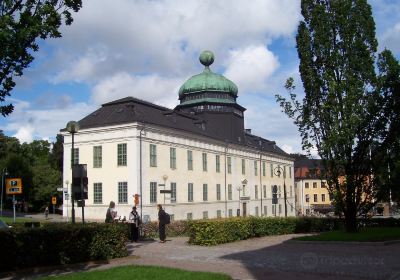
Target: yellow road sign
54 200
13 186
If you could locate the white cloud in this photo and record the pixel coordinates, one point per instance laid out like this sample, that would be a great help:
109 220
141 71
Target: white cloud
31 123
152 88
391 39
250 67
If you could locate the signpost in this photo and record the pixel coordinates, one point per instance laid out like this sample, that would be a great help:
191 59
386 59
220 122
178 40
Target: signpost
54 202
14 186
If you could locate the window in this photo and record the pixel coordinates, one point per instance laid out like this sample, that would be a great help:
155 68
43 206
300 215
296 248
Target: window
97 193
290 172
122 192
122 154
291 191
323 197
190 160
265 191
265 210
204 162
229 192
256 211
218 192
314 185
331 197
205 214
190 192
284 171
323 185
272 170
97 157
243 166
256 192
279 191
75 156
153 155
307 185
153 192
205 192
280 209
172 217
229 159
255 168
263 168
278 171
217 164
172 158
307 198
307 211
274 209
230 213
218 213
173 192
291 208
315 198
189 216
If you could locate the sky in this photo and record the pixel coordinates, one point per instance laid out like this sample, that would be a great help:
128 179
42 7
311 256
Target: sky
148 49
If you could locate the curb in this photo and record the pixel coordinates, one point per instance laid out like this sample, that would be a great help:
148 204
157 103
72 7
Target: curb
357 243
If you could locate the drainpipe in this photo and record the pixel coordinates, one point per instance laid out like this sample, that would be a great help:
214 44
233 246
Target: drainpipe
226 201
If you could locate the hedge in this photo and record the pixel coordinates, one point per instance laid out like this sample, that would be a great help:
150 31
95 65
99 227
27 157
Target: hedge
54 244
218 231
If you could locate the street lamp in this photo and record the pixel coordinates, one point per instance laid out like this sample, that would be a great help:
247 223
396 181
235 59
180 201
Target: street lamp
165 177
239 189
3 173
66 195
277 171
72 127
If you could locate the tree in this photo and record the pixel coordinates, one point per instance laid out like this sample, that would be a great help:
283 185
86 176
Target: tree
340 113
22 23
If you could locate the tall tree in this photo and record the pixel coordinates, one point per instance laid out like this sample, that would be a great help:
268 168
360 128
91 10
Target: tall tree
339 114
22 23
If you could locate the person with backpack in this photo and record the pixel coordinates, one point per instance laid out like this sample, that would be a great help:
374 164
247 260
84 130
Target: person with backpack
163 219
134 220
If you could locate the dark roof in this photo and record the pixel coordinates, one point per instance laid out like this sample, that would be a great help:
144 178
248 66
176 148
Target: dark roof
130 109
307 168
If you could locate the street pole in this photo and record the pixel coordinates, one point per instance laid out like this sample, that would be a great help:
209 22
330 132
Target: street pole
14 206
66 196
72 127
278 171
4 172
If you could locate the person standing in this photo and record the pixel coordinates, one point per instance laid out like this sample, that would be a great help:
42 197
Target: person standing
161 223
134 220
111 214
46 212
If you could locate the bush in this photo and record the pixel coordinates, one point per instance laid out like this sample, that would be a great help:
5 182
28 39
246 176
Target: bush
175 228
54 244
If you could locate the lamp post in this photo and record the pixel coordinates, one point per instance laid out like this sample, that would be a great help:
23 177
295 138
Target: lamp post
3 173
277 171
66 196
239 189
165 177
72 127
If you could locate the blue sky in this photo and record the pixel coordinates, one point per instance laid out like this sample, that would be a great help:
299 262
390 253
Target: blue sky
147 49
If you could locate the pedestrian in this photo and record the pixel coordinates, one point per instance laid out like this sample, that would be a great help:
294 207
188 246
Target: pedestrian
134 220
46 212
162 221
111 213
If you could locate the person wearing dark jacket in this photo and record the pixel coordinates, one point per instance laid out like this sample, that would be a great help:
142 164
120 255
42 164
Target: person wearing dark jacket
162 221
134 220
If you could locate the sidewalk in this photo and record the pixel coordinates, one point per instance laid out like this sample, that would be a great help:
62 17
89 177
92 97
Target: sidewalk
270 257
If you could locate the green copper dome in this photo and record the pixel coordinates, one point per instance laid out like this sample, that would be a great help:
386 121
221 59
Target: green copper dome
207 81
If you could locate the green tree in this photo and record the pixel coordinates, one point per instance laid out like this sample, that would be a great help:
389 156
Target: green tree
340 113
22 23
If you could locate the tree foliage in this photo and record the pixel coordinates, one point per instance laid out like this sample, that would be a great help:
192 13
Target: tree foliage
341 113
33 163
22 23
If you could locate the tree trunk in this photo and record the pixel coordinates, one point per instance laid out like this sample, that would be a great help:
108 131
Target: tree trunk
350 219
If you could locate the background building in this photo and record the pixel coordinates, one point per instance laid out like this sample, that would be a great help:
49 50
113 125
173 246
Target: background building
200 151
312 196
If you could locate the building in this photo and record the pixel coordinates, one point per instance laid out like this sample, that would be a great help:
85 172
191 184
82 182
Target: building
200 152
312 195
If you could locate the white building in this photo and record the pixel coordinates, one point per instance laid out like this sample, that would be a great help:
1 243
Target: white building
199 150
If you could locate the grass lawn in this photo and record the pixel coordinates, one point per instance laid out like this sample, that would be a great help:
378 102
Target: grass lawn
142 273
10 220
363 235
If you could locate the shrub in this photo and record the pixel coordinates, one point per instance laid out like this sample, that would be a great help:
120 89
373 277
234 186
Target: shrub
54 244
175 228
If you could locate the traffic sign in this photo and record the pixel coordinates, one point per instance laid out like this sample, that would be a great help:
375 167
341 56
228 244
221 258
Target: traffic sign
66 196
54 200
13 186
60 189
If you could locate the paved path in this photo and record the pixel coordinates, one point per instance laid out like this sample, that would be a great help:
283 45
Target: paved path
273 257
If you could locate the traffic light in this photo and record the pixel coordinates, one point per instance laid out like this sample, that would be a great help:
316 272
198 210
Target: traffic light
136 199
274 194
80 181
